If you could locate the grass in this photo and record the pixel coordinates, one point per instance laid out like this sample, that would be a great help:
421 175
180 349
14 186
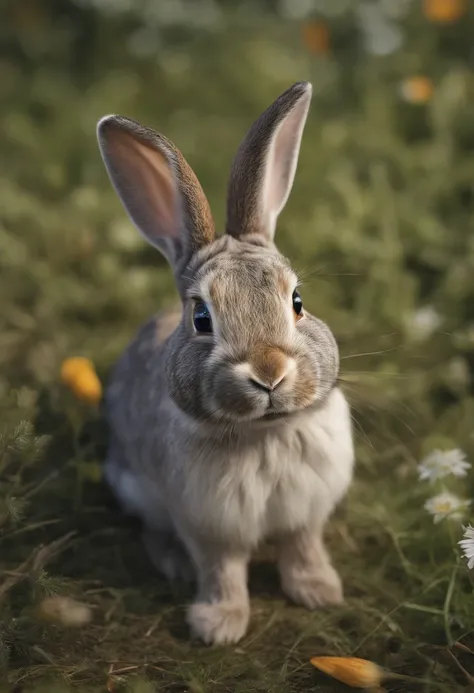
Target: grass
380 227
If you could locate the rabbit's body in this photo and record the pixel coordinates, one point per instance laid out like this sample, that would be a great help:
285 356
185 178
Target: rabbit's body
238 487
227 426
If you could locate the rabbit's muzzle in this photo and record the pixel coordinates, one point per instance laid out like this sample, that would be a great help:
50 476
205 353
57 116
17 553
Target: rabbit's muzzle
268 382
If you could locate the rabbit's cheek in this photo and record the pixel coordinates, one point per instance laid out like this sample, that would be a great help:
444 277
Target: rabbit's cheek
308 386
186 370
305 389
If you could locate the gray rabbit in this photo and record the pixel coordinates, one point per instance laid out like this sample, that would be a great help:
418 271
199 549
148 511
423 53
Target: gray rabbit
227 425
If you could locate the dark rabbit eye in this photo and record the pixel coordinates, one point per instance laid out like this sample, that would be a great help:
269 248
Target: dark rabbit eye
202 318
297 303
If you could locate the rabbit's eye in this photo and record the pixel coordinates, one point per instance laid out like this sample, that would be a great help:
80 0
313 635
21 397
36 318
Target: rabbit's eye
297 304
202 318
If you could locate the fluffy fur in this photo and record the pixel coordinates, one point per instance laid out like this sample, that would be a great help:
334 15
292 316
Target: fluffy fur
220 441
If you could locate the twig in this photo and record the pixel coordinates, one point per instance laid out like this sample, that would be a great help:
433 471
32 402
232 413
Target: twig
14 579
464 648
37 487
154 626
29 528
50 551
133 667
35 562
469 677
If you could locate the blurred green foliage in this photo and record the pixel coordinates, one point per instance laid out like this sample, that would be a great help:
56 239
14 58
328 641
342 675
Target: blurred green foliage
381 226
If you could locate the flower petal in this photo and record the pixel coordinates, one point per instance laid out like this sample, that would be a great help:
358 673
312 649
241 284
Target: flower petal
355 672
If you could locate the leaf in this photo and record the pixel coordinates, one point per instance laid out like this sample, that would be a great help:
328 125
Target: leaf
17 439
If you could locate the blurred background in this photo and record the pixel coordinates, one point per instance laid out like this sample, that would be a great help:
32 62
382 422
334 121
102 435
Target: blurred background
380 219
381 216
380 224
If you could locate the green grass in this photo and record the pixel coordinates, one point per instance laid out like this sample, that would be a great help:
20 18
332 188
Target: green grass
380 224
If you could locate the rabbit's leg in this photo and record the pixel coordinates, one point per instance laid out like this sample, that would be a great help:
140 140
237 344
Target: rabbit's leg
307 575
221 611
168 555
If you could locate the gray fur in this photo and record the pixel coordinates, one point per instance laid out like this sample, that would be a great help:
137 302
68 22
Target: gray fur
221 441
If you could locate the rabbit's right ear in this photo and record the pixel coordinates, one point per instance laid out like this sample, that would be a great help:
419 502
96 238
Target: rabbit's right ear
264 167
157 187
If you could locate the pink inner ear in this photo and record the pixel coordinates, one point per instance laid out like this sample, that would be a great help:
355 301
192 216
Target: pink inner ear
145 184
282 159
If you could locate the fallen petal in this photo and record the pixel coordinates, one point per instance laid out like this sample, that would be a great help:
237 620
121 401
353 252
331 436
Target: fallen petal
355 672
64 611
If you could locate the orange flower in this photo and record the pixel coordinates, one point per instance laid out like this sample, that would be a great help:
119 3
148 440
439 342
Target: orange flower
315 35
417 89
79 375
444 11
354 672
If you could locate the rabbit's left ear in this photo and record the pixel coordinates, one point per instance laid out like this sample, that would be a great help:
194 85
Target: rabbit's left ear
265 164
157 187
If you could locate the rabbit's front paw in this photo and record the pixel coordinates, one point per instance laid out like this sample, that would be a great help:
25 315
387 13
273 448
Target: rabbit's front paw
324 588
219 624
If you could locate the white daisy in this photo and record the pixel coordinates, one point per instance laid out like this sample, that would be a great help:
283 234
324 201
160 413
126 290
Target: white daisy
467 545
441 463
424 321
446 505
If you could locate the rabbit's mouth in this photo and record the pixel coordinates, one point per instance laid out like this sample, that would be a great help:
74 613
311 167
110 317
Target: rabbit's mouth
271 414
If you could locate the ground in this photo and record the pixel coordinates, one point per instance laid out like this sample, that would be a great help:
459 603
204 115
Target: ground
379 226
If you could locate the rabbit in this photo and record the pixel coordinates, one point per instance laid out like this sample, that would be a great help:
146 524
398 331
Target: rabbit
227 426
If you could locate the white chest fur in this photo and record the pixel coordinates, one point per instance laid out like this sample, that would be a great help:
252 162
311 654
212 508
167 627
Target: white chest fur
292 476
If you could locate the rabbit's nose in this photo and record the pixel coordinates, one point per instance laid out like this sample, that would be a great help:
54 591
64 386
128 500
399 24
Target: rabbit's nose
268 386
269 367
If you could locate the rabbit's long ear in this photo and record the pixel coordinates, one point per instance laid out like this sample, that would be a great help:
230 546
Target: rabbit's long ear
157 187
264 167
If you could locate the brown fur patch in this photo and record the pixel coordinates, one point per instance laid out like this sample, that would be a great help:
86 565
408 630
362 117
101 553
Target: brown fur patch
217 292
197 210
269 363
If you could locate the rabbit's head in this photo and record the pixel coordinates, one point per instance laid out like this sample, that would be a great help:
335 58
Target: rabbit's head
245 349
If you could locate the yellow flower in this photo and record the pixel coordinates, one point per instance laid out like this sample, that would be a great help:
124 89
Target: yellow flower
417 89
79 375
444 11
355 672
